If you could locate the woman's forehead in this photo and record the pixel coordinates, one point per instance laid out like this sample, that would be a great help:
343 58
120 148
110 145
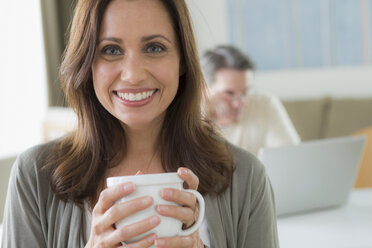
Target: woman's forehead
123 17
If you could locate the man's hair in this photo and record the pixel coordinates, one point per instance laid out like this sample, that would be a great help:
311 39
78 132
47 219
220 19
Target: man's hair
224 57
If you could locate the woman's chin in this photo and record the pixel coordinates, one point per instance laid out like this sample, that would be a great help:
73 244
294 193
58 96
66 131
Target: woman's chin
138 123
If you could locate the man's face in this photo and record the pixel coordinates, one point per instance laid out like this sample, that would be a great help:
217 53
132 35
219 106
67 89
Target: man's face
230 87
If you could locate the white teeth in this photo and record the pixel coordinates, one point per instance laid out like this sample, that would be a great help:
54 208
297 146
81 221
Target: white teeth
135 97
132 97
138 96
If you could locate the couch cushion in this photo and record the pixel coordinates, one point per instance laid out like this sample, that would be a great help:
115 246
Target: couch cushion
348 115
308 116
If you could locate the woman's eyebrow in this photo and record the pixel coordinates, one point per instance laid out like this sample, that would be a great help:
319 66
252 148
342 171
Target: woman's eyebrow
143 39
151 37
117 40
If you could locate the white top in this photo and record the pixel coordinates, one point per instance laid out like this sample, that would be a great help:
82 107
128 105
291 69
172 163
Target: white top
264 123
203 230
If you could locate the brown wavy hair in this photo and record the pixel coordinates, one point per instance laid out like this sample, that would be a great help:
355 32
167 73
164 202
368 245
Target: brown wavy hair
79 161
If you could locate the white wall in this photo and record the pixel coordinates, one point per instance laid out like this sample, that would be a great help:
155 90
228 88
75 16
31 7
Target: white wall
211 26
23 98
210 22
309 83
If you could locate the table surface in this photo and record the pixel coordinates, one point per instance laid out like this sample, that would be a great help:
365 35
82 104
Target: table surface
348 226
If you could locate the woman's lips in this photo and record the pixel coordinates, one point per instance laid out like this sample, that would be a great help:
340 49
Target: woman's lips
136 98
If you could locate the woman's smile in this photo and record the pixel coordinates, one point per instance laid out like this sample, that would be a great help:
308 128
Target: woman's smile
136 97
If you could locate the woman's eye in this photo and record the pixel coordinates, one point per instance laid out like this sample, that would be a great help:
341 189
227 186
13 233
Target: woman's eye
111 50
155 49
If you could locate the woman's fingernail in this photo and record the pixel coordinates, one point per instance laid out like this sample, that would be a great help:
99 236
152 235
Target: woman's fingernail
128 186
152 238
159 242
184 171
162 208
187 241
154 220
147 200
167 193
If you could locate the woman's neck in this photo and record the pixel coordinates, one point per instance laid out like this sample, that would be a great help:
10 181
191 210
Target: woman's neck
142 151
141 144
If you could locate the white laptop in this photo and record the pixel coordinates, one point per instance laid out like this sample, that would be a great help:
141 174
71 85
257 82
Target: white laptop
313 175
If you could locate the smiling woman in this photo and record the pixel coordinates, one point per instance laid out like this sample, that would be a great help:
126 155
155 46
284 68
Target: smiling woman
131 73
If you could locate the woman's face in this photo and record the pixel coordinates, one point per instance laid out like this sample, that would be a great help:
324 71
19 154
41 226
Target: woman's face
137 64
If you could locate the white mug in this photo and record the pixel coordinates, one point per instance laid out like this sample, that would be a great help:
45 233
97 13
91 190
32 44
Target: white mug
151 185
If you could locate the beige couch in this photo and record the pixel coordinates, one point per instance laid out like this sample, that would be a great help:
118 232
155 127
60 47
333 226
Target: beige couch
329 117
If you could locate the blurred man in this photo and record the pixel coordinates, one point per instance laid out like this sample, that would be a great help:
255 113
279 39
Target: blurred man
247 118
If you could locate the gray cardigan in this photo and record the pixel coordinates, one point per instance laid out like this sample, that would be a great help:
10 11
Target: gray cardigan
242 217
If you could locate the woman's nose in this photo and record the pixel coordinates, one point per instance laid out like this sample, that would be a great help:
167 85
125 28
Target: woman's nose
133 70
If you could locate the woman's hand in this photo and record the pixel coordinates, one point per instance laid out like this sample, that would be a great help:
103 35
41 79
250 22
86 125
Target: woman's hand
188 212
106 213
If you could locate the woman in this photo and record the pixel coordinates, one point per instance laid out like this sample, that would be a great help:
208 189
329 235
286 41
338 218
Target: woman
131 74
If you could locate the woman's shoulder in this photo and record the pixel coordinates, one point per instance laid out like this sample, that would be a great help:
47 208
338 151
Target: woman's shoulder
245 163
249 178
38 152
250 181
30 163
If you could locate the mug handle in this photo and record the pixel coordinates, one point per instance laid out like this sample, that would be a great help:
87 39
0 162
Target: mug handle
198 223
